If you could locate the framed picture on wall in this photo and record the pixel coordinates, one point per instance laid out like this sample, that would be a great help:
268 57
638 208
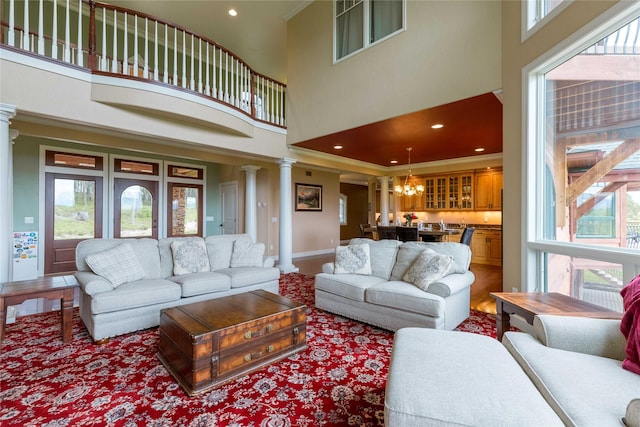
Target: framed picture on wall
308 197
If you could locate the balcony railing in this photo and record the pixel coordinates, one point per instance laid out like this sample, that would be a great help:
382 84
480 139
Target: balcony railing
124 43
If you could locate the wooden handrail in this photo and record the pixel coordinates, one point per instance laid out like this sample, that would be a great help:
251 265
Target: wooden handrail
222 76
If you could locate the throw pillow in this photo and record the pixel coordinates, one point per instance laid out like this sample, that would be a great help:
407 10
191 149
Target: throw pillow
189 256
353 259
632 415
118 265
427 268
247 254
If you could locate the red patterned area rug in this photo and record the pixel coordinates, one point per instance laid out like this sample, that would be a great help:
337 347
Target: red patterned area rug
338 381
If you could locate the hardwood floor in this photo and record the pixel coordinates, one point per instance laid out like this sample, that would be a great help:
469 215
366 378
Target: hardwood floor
488 279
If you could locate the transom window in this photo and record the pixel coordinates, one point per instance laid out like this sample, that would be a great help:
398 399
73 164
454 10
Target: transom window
361 23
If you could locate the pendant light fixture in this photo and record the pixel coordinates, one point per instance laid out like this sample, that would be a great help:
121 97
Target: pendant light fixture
410 188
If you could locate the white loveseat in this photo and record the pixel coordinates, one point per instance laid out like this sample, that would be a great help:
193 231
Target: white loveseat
383 298
223 265
567 373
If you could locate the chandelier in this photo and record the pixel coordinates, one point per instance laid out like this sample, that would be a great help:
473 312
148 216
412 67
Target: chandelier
410 188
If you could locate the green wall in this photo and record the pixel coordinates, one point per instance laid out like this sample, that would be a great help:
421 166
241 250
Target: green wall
26 195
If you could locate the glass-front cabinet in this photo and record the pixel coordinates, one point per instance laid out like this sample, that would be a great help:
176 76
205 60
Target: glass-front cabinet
460 191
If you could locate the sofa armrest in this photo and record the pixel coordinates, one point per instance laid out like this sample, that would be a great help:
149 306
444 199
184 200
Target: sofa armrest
268 262
598 337
451 284
328 267
91 283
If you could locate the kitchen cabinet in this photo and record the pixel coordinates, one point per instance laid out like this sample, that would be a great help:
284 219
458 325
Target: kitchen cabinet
486 247
415 202
488 191
460 192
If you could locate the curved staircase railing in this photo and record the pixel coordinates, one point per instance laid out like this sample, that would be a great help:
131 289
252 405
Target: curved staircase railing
124 43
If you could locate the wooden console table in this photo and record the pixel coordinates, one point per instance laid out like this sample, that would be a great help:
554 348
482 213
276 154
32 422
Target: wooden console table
528 305
50 287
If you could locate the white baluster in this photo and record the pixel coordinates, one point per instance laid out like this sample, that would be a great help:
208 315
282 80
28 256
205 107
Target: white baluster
114 61
184 60
175 56
125 43
220 74
192 80
226 80
25 30
145 71
135 46
40 29
207 89
199 65
80 58
67 34
103 63
11 34
155 53
165 76
54 31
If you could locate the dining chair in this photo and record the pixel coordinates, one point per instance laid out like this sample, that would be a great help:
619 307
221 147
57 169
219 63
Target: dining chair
366 231
387 232
466 236
408 234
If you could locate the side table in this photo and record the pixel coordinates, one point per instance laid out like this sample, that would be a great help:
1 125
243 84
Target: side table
50 287
529 304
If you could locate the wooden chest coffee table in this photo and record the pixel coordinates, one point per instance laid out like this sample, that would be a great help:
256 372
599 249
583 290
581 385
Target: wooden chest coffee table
206 344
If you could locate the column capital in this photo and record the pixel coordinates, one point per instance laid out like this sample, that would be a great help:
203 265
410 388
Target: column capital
285 162
7 112
250 168
13 134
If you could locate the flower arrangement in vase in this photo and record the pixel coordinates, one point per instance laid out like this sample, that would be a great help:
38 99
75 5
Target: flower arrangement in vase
410 217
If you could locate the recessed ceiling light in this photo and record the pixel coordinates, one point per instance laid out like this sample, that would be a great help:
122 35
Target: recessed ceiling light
478 150
437 126
393 162
233 12
337 147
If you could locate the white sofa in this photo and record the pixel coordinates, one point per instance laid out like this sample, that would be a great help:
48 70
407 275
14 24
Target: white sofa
384 299
109 310
569 372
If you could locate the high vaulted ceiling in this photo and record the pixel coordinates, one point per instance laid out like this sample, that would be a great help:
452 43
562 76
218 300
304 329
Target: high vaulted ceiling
258 35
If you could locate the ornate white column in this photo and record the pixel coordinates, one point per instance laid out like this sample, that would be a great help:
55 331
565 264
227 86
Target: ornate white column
285 255
384 200
251 213
7 112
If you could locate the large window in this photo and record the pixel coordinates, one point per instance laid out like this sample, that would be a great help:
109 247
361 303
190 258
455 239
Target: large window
585 146
361 23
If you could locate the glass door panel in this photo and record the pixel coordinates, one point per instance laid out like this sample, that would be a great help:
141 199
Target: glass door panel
136 208
73 212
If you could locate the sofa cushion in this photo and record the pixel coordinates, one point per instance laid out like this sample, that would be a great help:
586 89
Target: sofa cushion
583 389
409 251
189 256
135 294
246 254
146 251
382 254
220 249
118 265
353 259
351 286
450 378
405 296
427 268
247 276
202 283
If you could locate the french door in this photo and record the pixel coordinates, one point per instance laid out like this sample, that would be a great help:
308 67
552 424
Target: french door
135 208
73 212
